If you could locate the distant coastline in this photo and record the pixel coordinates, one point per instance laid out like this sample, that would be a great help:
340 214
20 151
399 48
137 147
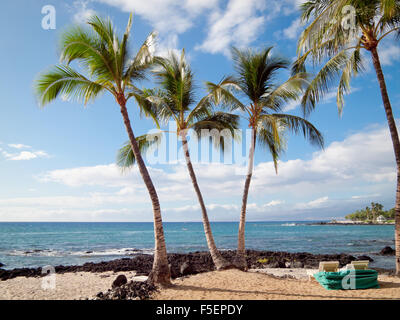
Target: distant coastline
350 223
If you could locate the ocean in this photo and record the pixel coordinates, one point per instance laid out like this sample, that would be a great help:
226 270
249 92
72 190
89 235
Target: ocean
28 244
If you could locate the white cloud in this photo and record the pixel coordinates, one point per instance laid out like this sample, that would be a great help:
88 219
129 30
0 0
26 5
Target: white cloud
314 204
24 155
81 10
389 54
347 175
165 15
292 31
274 203
19 146
238 25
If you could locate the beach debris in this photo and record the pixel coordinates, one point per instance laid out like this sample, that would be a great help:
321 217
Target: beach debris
387 251
119 281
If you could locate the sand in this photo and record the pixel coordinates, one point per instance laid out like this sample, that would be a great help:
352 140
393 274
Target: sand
69 286
238 285
226 285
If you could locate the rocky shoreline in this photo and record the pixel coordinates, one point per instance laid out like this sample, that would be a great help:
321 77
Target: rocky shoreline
192 263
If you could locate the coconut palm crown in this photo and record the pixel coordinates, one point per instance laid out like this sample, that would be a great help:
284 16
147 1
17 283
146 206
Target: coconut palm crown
110 67
337 33
175 100
255 92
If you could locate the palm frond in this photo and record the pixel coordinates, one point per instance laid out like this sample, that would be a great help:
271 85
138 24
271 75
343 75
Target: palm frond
288 91
203 109
84 46
223 93
152 104
256 70
175 77
275 145
125 155
218 122
299 125
63 80
322 82
353 66
144 59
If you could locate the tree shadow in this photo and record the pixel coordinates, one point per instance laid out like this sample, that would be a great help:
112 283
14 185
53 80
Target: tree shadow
386 284
306 296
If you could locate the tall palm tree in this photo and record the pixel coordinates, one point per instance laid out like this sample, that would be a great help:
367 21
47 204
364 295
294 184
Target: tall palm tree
263 103
175 100
110 68
334 34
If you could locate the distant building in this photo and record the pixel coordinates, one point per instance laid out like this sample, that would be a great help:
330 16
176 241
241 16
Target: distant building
381 219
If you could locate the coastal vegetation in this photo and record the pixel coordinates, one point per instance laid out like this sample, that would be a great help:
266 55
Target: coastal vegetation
255 93
371 214
111 68
174 100
337 33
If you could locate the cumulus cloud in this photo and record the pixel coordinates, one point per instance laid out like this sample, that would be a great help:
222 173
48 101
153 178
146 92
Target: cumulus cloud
19 146
292 31
238 25
165 15
82 11
232 22
389 54
347 175
23 154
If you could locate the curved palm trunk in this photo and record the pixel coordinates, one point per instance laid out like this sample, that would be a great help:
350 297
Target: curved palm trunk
160 273
396 147
219 261
240 260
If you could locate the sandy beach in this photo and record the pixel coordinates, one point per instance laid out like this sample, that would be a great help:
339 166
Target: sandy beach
69 286
235 284
266 284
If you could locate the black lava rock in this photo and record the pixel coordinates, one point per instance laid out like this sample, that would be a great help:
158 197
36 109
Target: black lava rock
134 290
190 263
121 280
186 268
365 258
387 251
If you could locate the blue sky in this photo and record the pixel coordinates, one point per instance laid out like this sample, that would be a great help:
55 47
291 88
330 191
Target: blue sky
57 163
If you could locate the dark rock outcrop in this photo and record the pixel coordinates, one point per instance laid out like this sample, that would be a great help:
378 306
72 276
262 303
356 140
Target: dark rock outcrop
119 281
387 251
186 268
133 290
365 258
191 263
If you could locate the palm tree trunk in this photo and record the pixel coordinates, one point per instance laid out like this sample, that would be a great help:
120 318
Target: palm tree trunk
160 273
396 147
240 260
219 261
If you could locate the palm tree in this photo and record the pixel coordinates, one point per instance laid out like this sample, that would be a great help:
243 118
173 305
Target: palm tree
329 36
106 60
175 99
263 103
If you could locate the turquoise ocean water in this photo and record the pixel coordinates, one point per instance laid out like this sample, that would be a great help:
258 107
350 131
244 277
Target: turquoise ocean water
39 244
